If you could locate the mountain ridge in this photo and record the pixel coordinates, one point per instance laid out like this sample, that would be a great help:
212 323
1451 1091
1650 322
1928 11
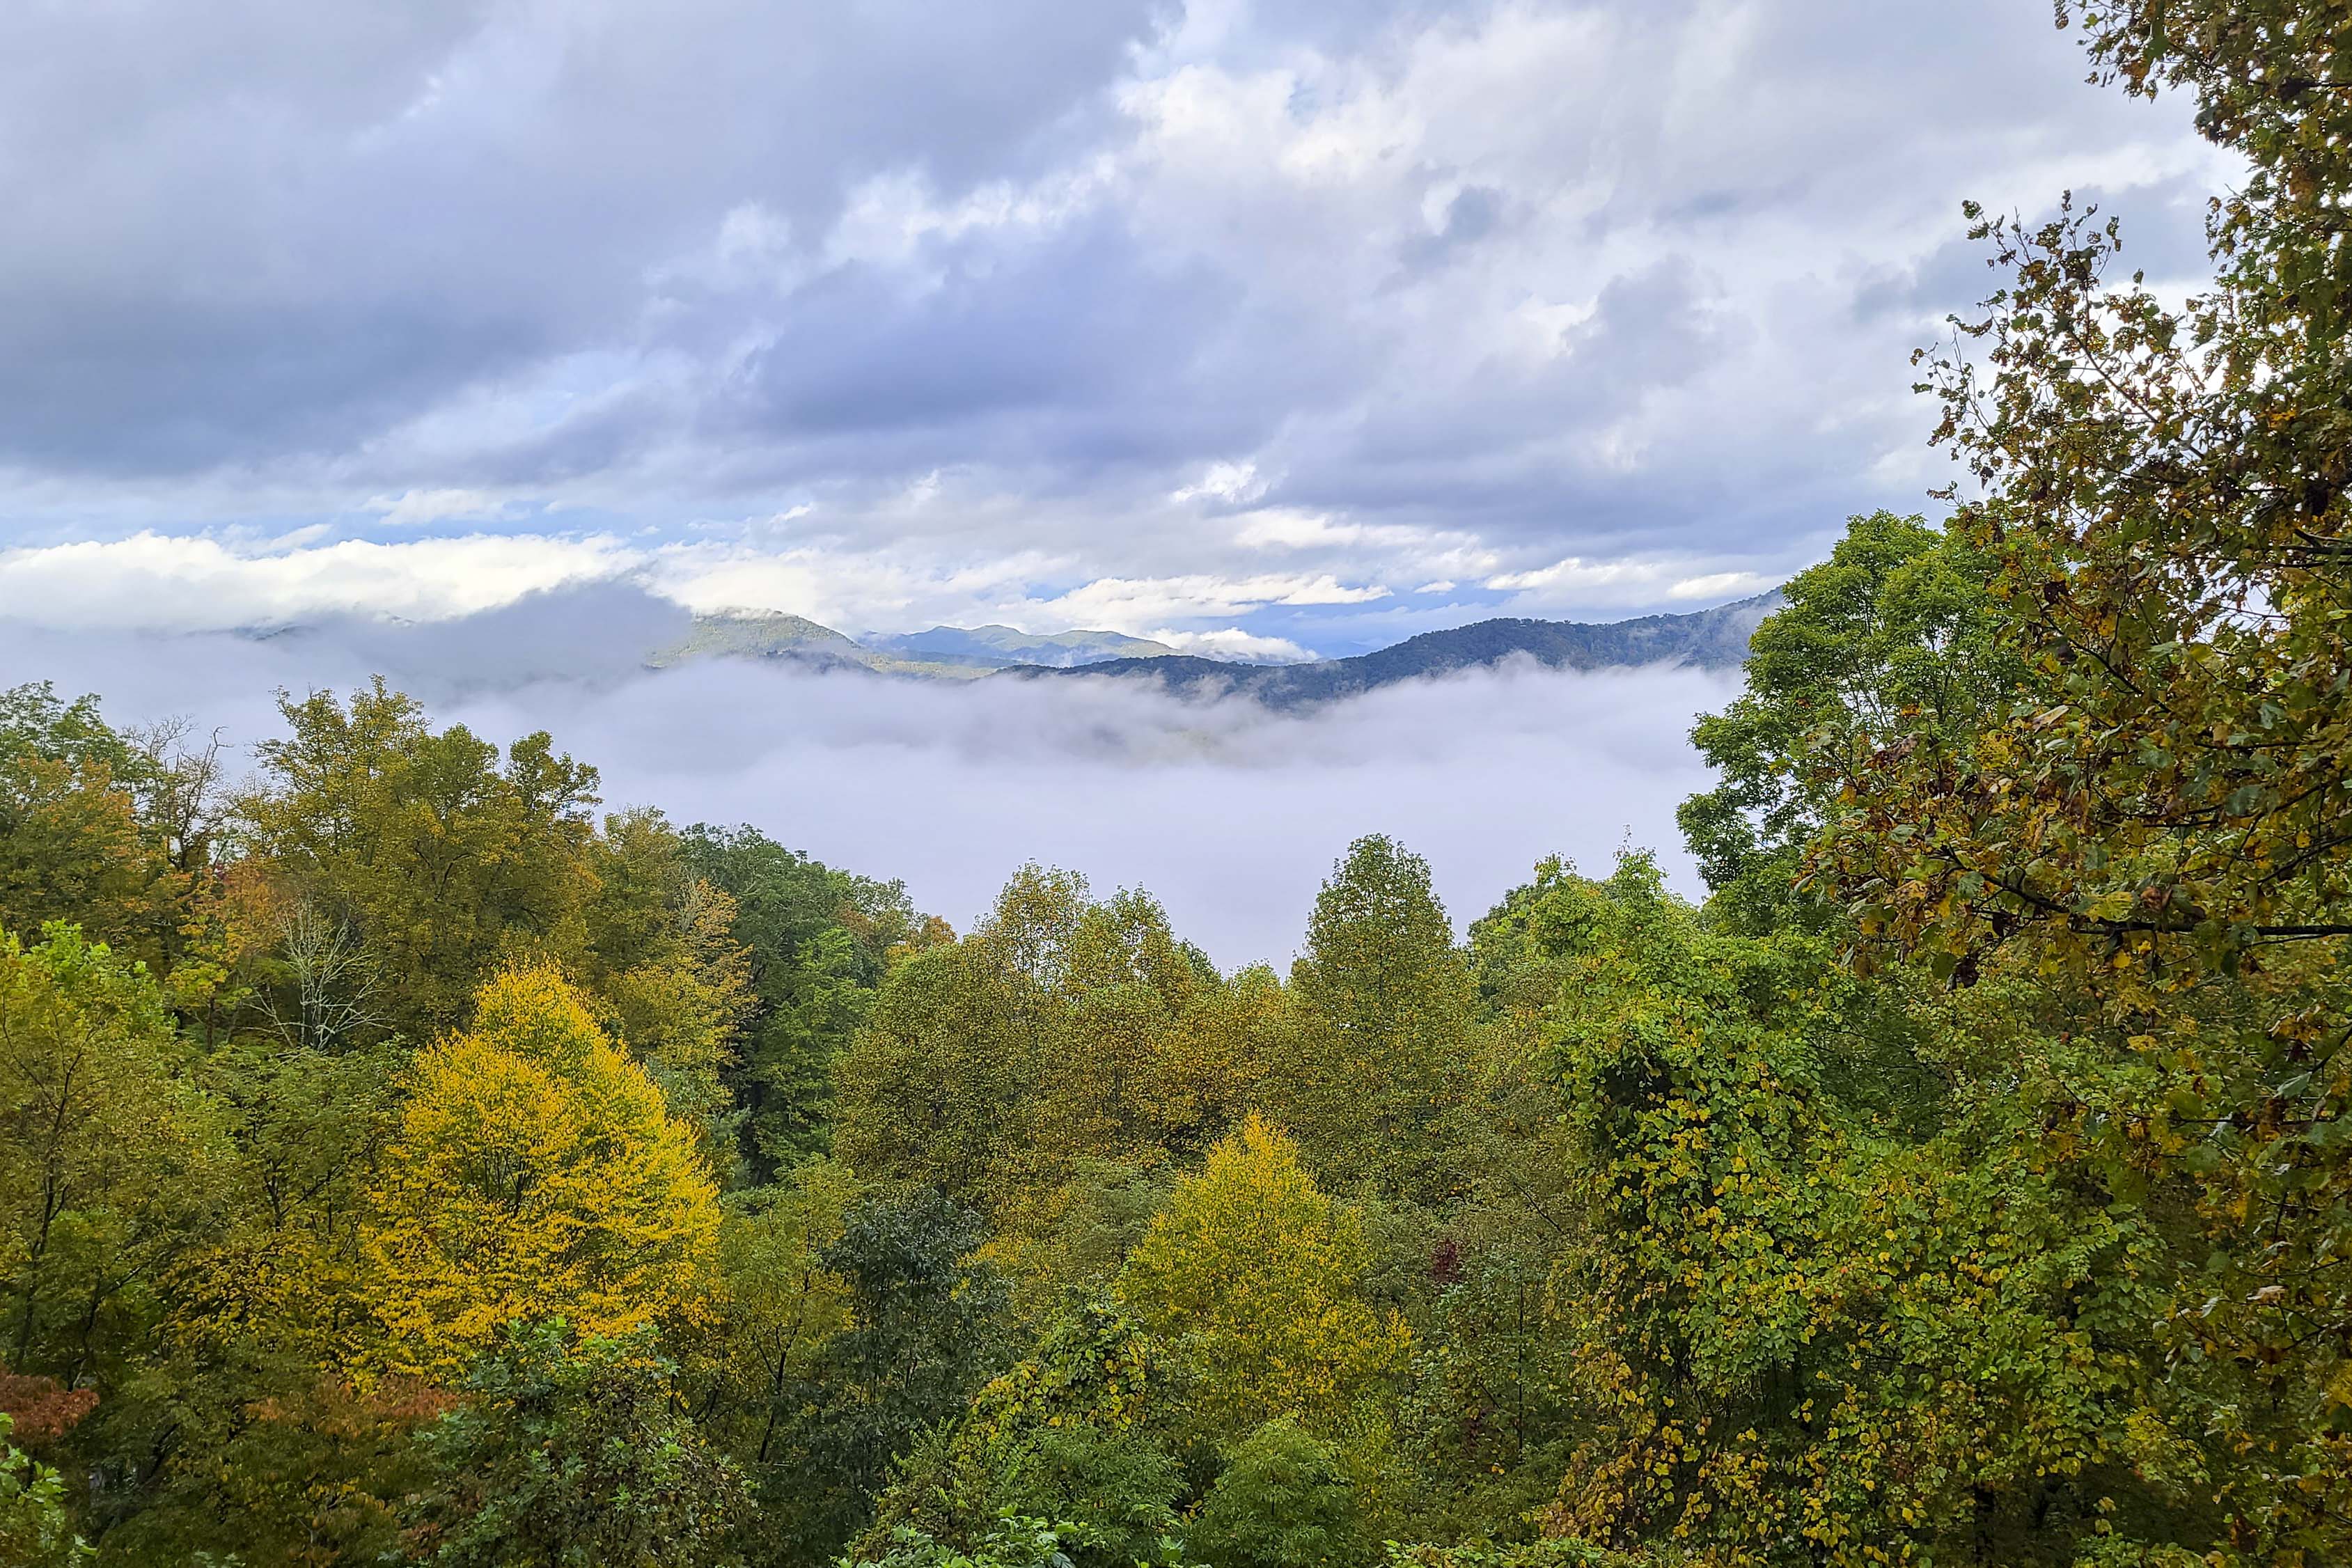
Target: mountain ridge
1705 640
942 653
1714 638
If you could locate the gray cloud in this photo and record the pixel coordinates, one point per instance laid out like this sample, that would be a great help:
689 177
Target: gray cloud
1483 287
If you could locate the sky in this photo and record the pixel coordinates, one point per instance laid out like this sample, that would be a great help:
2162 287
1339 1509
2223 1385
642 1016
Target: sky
1266 326
481 343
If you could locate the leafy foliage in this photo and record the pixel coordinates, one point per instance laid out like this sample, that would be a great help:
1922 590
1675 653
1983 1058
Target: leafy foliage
1284 1501
1384 1002
569 1455
921 1334
535 1173
1892 637
34 1530
1251 1273
398 1162
113 1157
1068 1432
447 857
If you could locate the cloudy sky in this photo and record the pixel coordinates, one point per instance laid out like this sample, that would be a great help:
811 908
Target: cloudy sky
1259 324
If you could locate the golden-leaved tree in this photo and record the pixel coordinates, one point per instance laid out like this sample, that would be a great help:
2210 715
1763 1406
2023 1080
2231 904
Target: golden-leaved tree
535 1174
1252 1274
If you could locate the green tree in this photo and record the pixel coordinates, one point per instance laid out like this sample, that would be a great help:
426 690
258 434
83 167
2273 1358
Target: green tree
1283 1501
819 942
1017 1541
1835 1303
782 1302
924 1331
34 1530
1066 1434
111 1162
2160 823
72 845
568 1455
1891 637
1381 1048
445 857
670 975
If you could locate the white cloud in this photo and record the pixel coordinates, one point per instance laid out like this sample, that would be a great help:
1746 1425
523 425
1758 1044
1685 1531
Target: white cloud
1123 603
1232 642
1233 482
415 508
1718 585
178 583
1575 573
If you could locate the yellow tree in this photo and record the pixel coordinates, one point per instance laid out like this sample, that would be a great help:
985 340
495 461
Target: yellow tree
1252 1274
535 1174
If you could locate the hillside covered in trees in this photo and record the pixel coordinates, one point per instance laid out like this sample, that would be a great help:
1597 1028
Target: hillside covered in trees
1701 639
403 1160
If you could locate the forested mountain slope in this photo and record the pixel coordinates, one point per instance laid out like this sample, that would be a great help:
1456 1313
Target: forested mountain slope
942 653
1706 639
996 647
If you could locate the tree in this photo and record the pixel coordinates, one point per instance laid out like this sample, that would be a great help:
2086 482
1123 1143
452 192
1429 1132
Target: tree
676 983
1384 1004
1066 1434
923 1333
819 942
446 856
1892 637
1250 1274
1283 1501
34 1530
1017 1541
111 1162
2161 821
783 1303
1065 1034
72 846
535 1174
1126 980
1834 1301
571 1454
934 1087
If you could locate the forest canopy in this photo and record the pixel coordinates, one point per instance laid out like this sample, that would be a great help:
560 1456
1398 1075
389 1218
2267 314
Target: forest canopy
405 1159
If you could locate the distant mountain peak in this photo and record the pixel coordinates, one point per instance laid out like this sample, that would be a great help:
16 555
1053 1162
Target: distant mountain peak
1703 640
1010 646
943 652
